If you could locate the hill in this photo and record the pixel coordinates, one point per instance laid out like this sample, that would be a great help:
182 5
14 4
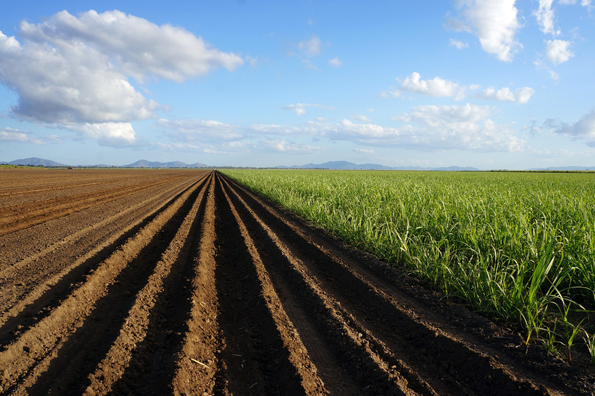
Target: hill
33 161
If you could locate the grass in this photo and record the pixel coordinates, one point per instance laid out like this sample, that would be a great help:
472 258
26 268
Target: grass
518 247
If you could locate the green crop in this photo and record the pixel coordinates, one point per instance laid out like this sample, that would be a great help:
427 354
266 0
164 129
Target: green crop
516 246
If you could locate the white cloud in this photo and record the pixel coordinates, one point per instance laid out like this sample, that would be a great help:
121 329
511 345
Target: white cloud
583 129
466 128
199 130
524 94
541 65
521 95
309 65
75 70
273 129
113 134
458 44
495 24
557 51
456 127
284 146
311 46
361 118
139 46
365 151
300 108
545 17
436 87
68 84
584 3
14 135
335 62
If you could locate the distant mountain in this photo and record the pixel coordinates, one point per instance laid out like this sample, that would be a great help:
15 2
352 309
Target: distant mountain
156 164
198 165
35 162
345 165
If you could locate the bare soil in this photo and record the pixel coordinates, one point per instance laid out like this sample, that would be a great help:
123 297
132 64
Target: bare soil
155 282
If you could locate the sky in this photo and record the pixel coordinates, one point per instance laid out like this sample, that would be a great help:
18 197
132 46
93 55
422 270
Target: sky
492 84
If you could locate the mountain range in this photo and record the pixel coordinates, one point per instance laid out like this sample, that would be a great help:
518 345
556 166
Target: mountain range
344 165
156 164
33 162
335 165
138 164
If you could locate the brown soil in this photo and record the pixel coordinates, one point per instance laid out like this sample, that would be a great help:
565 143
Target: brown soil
182 282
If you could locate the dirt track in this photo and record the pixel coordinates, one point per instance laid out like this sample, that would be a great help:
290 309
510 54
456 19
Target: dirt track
182 282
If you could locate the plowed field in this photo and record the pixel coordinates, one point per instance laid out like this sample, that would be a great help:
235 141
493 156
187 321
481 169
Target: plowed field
182 282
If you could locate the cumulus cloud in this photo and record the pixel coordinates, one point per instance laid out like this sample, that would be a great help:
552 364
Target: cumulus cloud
583 129
139 46
584 3
284 146
439 87
361 118
335 62
466 128
557 51
300 108
71 71
62 85
113 134
436 87
365 151
521 95
495 24
456 127
199 130
311 46
15 135
540 64
545 17
458 44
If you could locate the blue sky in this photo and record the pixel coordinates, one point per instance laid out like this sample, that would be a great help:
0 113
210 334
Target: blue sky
492 84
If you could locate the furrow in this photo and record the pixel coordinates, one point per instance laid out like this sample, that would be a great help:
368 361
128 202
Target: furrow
352 347
298 355
252 358
33 270
31 214
444 362
197 362
73 237
141 317
154 360
31 306
29 358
